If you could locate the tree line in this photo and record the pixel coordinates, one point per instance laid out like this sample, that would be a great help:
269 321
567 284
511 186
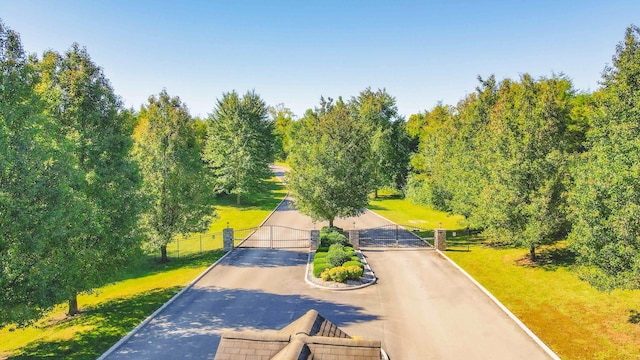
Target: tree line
532 161
87 185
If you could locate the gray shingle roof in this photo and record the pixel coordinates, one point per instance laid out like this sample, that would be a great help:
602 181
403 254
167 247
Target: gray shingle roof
311 336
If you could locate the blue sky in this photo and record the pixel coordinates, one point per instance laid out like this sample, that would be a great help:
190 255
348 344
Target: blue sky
293 52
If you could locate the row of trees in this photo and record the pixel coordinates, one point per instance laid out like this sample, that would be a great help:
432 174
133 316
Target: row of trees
532 161
85 184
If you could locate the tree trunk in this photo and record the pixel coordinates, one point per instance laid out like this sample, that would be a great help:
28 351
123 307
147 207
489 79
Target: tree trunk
73 305
532 252
331 222
163 252
238 199
375 193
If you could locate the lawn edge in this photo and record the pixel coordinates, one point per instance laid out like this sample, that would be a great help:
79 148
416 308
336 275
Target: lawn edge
524 327
131 333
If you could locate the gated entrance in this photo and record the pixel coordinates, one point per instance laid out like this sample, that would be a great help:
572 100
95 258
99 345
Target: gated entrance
272 236
395 236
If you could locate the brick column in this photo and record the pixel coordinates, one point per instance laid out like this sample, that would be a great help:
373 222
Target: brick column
227 239
440 241
315 240
354 238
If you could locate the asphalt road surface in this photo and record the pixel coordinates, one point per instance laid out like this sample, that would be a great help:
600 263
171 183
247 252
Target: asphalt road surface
422 307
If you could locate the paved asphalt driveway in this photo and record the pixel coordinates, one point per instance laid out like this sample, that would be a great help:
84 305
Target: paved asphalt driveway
421 308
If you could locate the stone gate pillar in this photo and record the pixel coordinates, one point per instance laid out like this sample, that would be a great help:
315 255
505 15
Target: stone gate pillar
227 239
354 238
440 241
315 240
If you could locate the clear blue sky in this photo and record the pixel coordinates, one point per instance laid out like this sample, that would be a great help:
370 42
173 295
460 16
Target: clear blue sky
292 52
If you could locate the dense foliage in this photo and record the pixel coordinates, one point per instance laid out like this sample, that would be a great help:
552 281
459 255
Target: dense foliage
176 183
605 198
239 145
531 161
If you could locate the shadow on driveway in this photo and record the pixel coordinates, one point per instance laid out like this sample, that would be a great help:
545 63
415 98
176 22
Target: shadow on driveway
265 258
191 327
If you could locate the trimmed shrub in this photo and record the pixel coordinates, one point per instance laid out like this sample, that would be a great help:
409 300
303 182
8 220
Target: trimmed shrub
330 236
321 261
336 255
353 263
324 275
355 258
320 268
350 251
320 255
354 272
322 249
338 274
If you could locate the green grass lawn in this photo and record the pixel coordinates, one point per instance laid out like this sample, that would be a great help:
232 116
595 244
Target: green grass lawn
571 317
113 310
252 210
403 212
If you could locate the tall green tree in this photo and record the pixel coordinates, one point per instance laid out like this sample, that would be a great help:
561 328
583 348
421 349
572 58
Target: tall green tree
330 168
282 119
239 146
176 183
606 196
36 202
523 202
389 155
91 116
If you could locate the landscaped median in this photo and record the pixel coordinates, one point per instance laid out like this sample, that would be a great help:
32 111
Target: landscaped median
337 265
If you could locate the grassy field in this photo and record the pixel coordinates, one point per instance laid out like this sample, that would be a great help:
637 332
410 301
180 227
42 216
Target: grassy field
113 310
572 318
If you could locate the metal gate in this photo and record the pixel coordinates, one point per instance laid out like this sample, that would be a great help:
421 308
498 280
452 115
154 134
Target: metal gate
395 236
272 236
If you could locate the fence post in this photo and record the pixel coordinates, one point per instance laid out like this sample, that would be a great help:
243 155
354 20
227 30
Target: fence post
271 236
397 235
440 240
227 239
315 240
354 238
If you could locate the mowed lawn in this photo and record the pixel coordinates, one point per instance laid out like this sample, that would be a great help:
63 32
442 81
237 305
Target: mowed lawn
251 211
113 310
571 317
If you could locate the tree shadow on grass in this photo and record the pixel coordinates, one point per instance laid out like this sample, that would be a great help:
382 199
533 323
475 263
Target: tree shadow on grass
634 316
147 265
550 259
98 327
